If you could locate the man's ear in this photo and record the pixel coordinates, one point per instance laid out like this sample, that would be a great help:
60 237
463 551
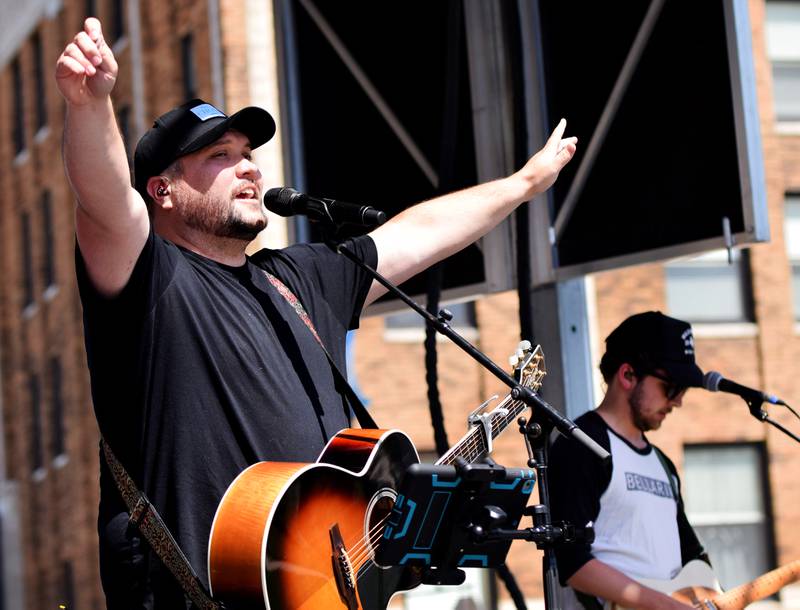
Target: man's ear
159 190
626 376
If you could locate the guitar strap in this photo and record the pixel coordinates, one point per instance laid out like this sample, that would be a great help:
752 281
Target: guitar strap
146 518
670 477
360 411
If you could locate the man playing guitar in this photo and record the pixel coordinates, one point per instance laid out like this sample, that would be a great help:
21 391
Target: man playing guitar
204 360
641 530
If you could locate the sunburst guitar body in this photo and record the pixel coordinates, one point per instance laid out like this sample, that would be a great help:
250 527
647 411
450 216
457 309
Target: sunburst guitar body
298 536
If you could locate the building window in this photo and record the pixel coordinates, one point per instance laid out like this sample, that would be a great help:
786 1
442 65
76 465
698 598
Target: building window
189 71
27 261
409 326
57 408
2 563
48 258
116 19
727 502
725 288
791 220
783 49
38 73
124 122
18 108
37 448
67 599
89 9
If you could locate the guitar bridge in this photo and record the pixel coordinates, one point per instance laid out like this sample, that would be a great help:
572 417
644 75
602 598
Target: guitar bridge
342 569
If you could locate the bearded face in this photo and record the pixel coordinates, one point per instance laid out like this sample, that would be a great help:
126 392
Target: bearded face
650 403
217 190
220 214
640 419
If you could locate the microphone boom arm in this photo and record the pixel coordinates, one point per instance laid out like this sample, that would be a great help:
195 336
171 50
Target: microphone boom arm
761 415
564 425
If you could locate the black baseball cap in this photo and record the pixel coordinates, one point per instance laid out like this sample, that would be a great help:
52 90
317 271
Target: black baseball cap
655 341
190 127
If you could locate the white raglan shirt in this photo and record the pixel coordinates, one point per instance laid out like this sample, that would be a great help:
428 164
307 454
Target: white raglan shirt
636 530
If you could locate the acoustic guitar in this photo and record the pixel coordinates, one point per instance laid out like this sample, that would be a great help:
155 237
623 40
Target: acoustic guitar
298 536
697 586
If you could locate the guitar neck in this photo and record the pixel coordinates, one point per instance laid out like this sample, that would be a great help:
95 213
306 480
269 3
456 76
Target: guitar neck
761 587
473 444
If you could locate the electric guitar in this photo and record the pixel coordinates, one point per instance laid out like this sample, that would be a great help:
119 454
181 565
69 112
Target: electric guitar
697 586
295 536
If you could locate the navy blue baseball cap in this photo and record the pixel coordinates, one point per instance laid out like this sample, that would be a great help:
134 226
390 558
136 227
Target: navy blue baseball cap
187 129
656 341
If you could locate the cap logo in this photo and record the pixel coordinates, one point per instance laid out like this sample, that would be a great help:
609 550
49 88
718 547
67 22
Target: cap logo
688 342
207 111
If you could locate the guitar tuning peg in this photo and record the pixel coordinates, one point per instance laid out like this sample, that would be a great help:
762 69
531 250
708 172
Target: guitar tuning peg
513 360
524 345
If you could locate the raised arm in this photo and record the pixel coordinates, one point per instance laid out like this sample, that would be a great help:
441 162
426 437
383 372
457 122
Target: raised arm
430 231
111 219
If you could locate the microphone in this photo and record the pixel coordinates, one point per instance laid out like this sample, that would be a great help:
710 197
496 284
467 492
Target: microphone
285 201
715 382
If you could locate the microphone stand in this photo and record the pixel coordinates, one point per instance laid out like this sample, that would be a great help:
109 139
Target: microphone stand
518 392
544 418
761 414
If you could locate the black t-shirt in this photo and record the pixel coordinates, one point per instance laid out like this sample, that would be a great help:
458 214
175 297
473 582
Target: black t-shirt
578 479
199 369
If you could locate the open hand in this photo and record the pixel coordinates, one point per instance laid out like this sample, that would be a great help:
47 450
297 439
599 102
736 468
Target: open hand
86 71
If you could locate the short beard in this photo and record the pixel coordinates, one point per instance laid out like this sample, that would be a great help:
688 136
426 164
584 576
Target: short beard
635 402
220 220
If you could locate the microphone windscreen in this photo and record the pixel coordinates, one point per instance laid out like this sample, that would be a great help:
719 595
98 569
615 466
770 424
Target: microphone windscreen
279 201
711 381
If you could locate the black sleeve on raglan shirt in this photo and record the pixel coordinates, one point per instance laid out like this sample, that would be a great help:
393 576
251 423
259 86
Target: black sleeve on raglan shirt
577 480
691 548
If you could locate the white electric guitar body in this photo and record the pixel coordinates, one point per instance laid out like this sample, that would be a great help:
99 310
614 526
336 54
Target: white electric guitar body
697 586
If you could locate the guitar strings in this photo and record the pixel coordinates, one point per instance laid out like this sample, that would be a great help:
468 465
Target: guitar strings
361 551
473 446
363 543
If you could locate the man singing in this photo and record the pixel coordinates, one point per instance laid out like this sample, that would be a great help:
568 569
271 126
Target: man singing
201 361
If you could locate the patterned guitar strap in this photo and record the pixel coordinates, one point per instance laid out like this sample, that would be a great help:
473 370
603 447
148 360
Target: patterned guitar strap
360 411
147 519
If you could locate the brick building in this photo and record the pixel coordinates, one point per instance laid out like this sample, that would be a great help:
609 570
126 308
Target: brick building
739 475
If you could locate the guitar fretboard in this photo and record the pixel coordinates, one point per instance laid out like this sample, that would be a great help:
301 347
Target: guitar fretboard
473 444
529 372
761 587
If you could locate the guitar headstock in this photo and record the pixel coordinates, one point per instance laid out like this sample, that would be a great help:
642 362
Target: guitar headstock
528 363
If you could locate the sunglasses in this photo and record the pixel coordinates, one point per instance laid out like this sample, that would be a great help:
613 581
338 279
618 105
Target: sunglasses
671 388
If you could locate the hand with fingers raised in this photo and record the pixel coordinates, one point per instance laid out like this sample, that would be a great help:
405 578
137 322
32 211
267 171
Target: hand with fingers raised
541 170
86 71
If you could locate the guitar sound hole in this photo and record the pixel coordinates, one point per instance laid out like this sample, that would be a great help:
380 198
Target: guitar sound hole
378 511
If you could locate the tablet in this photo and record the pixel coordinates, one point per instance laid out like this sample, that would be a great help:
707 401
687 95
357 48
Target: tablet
437 508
